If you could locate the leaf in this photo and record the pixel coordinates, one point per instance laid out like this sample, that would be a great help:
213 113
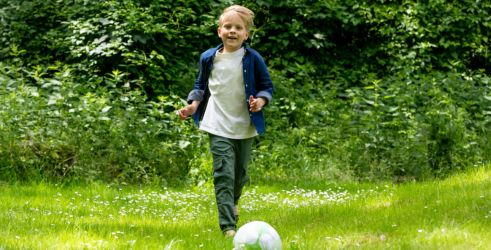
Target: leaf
369 102
101 39
393 109
105 109
184 144
105 21
487 97
51 101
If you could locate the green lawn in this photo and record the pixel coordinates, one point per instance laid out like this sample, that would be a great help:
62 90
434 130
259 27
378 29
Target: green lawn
451 214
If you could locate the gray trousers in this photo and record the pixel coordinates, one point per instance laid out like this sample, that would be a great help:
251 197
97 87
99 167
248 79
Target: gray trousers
230 159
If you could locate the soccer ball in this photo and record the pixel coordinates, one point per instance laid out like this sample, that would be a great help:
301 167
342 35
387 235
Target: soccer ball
257 235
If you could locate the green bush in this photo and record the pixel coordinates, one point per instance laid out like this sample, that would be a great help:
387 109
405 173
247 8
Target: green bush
54 129
364 90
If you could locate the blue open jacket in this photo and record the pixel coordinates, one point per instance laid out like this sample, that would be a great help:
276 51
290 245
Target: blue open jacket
257 83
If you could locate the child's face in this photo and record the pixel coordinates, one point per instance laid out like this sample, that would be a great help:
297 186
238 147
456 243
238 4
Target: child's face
233 32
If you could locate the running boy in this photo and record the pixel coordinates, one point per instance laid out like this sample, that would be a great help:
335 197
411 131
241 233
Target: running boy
232 87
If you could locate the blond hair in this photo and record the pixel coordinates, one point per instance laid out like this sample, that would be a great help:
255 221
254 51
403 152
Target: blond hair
244 13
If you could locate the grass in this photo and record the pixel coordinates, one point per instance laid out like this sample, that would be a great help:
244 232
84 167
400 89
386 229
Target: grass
454 213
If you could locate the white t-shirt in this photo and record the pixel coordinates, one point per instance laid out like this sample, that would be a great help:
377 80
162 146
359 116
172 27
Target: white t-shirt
227 113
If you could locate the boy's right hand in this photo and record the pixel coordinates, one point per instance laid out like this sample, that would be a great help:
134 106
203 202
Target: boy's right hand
188 110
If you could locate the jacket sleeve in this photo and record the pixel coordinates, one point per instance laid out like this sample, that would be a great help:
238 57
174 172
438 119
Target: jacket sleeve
264 84
197 94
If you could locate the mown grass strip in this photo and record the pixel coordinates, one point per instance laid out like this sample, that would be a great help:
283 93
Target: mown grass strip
454 213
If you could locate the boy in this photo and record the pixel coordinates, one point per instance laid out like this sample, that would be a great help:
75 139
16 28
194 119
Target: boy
232 87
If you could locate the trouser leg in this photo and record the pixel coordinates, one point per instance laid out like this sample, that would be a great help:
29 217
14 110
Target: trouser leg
230 158
243 149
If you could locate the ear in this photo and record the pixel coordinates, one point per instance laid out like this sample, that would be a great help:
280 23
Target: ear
219 32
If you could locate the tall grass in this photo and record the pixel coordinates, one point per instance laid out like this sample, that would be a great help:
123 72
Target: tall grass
451 214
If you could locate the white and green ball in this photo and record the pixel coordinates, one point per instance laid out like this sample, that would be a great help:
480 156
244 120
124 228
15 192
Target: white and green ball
257 235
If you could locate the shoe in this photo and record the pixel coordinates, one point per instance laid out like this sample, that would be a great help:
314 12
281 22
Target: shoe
229 233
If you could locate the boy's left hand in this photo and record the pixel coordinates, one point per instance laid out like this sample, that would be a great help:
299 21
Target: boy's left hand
256 104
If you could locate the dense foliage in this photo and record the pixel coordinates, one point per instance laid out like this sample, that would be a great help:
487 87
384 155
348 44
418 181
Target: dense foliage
364 89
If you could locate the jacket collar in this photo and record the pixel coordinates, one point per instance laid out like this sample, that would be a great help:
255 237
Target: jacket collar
245 45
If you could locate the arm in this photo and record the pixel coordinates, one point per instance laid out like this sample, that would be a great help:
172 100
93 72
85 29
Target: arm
264 84
196 95
198 91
